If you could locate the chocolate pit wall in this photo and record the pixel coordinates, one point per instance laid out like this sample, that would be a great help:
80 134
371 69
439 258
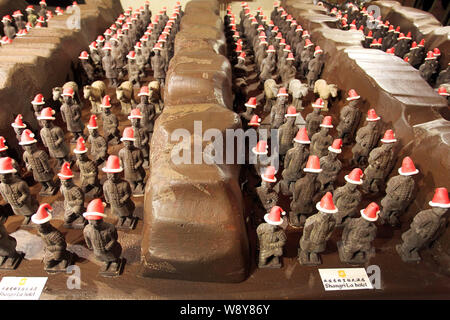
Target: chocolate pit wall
193 224
405 102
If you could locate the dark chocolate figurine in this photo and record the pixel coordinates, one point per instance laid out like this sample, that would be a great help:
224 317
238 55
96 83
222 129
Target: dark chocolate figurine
444 76
88 169
15 191
8 28
304 191
306 56
347 197
56 256
53 136
381 160
18 126
314 119
38 161
147 109
357 236
271 239
73 199
268 65
265 192
250 107
288 70
18 20
38 103
101 237
43 9
109 65
10 258
287 131
87 67
349 118
71 114
133 68
318 229
117 194
158 65
366 139
279 109
141 141
294 162
315 66
110 122
425 228
429 67
331 166
321 140
99 146
399 193
131 159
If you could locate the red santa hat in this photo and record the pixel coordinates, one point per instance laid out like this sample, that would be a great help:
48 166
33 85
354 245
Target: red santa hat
6 165
352 95
274 216
92 122
95 210
443 91
135 114
3 146
84 55
68 92
370 213
327 122
255 121
389 137
65 173
291 112
260 148
251 103
112 165
318 103
47 114
354 176
18 122
440 198
282 92
336 146
27 138
269 174
270 49
242 56
372 115
326 204
317 50
106 101
43 214
308 43
107 46
38 99
80 147
128 134
430 56
302 136
131 55
408 168
313 165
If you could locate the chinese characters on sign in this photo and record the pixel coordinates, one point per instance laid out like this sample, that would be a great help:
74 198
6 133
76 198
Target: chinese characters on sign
345 279
21 288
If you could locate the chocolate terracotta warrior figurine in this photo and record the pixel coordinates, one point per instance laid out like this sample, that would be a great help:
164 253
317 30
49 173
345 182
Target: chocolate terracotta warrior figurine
38 161
38 103
303 193
87 67
147 109
265 192
357 236
73 199
321 140
294 162
399 193
56 256
158 65
349 118
31 15
110 122
132 159
141 141
425 228
287 131
53 137
117 194
366 139
315 66
133 69
8 28
381 160
429 67
268 65
71 114
43 9
271 239
101 237
15 191
10 258
317 231
331 166
279 109
314 119
18 20
250 107
99 146
109 65
347 197
18 126
88 170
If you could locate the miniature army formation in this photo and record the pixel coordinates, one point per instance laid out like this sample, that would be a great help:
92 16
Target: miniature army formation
276 56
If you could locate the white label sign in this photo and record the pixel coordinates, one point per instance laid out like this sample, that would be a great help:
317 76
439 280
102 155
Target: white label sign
345 279
22 288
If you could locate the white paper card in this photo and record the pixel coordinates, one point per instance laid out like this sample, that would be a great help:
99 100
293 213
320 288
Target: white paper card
345 279
22 288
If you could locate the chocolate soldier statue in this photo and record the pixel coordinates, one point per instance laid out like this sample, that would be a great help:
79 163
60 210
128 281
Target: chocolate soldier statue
8 28
303 193
71 114
15 191
4 154
87 66
96 59
349 118
381 160
99 146
18 126
38 161
366 139
288 70
109 65
279 109
403 44
141 141
110 122
53 137
158 65
317 231
31 15
117 194
298 48
321 140
314 119
315 66
133 69
101 237
118 54
147 109
10 258
56 256
268 65
250 107
306 56
414 55
426 227
131 159
271 239
262 160
444 76
43 9
429 67
331 166
140 59
88 170
73 199
18 20
38 103
357 236
266 194
399 193
347 197
287 131
294 162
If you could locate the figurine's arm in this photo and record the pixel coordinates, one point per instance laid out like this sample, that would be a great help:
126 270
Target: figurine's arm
43 158
25 192
126 194
139 159
44 141
87 240
60 135
287 159
63 115
77 113
145 140
27 163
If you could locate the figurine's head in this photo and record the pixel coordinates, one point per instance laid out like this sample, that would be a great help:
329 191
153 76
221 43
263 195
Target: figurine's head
47 123
144 99
96 223
128 144
114 177
439 211
81 156
135 122
93 132
67 182
6 177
